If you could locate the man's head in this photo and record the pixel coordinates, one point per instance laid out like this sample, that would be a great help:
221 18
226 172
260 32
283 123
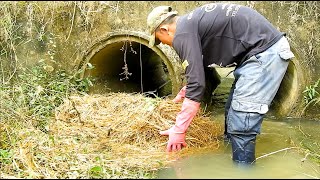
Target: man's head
158 22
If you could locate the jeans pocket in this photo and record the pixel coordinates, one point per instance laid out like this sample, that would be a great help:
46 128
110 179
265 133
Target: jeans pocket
245 118
284 50
249 107
286 54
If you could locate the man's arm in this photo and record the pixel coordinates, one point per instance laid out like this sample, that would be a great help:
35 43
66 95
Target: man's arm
188 47
189 50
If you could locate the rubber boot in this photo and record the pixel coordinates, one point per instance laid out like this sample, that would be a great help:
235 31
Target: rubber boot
243 148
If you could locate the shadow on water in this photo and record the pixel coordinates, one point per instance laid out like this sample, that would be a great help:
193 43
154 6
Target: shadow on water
276 152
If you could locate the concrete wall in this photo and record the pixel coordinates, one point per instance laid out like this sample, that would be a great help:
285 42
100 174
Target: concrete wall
60 33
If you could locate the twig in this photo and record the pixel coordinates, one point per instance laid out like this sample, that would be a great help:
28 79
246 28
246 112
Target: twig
314 177
2 72
8 135
74 106
16 61
74 12
303 132
274 153
117 8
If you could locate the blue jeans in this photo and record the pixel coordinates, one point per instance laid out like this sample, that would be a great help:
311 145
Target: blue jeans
256 83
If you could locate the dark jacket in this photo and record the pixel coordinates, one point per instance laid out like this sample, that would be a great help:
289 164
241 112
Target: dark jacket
219 34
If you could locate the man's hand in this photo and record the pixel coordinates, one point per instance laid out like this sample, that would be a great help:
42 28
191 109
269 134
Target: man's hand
177 133
176 140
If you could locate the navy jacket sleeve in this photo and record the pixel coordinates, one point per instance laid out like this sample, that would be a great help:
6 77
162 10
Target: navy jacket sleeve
188 47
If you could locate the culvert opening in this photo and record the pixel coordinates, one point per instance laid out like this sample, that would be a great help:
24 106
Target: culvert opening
125 65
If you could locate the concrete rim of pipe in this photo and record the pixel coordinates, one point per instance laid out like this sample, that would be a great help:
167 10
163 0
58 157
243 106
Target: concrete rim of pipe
138 37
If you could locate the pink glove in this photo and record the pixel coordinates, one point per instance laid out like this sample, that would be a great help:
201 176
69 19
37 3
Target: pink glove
180 95
177 133
176 140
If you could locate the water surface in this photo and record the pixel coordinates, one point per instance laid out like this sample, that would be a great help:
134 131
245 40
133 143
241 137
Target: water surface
276 152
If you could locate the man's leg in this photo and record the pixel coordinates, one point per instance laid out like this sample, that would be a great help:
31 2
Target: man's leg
212 82
243 128
226 110
257 82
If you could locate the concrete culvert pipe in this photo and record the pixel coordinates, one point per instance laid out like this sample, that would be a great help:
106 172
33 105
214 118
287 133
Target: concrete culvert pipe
289 98
123 62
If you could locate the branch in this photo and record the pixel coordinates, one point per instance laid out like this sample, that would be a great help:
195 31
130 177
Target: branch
274 152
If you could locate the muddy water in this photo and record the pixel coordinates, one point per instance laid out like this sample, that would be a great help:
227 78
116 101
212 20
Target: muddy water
276 152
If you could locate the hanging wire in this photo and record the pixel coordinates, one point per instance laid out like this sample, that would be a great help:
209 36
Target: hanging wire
141 84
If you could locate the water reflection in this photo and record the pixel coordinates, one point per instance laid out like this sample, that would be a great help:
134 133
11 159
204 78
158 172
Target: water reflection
276 152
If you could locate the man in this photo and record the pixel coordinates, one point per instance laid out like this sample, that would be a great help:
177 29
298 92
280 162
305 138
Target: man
224 35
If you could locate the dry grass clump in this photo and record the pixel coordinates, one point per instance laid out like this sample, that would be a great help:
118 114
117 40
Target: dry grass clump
110 136
128 125
130 119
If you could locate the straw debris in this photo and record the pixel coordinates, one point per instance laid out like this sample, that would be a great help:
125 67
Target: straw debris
107 136
120 118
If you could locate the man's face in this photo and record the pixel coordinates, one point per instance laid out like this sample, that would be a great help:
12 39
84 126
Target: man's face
165 36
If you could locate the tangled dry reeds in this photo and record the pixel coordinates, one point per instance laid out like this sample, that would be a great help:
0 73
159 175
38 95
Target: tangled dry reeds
129 119
108 135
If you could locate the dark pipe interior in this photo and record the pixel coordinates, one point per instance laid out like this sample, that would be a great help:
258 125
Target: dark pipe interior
119 66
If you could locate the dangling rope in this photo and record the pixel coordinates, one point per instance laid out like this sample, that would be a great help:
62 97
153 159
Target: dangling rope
141 84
